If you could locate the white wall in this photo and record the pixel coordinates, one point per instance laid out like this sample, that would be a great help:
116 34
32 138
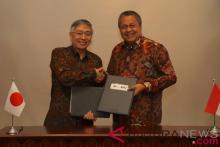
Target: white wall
189 29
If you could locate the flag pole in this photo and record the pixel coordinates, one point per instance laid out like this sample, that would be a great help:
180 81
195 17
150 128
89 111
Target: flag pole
214 129
214 120
12 130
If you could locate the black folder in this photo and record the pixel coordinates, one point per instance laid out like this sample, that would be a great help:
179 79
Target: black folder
84 99
116 100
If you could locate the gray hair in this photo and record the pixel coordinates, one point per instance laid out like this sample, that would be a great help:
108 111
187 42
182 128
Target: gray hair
78 22
130 13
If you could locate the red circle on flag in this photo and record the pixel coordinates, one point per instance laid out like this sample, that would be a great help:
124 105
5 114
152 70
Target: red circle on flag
16 99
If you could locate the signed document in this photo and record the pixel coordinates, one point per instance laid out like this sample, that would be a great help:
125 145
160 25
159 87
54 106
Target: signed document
84 99
116 97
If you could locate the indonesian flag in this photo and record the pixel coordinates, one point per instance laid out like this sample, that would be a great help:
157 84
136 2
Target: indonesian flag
213 105
14 103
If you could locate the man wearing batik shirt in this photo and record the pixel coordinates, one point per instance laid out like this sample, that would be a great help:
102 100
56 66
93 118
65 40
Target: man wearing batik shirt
149 62
73 66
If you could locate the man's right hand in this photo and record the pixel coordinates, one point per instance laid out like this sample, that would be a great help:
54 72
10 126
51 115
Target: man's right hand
100 74
89 115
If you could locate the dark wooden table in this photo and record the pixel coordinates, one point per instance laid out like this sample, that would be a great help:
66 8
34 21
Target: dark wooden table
96 136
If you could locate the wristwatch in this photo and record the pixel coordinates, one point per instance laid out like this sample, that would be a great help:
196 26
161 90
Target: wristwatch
147 85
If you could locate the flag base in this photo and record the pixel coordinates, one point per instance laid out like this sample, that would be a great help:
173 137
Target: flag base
12 131
214 130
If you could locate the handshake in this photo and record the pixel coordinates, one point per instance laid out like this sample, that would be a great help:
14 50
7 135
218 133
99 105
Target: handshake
100 74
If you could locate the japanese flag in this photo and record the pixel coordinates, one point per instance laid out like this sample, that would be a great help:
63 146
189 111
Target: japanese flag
14 103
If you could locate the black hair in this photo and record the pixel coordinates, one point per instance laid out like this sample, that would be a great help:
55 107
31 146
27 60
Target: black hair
130 13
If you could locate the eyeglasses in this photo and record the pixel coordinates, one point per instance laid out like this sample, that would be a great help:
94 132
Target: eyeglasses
80 34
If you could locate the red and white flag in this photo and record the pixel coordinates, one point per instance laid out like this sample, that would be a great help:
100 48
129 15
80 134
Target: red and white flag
15 102
213 105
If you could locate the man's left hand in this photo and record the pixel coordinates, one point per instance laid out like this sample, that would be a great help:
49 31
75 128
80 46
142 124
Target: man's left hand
138 88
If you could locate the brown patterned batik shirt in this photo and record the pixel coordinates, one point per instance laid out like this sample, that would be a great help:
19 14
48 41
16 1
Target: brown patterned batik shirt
148 62
69 70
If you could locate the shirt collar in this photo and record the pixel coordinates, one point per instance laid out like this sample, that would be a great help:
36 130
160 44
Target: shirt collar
131 46
139 41
76 54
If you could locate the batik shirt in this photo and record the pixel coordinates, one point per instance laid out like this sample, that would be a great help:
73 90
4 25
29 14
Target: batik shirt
148 62
69 70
